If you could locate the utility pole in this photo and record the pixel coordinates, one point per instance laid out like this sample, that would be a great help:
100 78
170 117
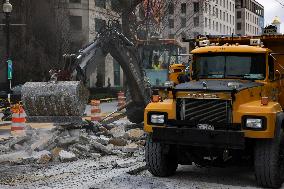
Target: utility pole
7 9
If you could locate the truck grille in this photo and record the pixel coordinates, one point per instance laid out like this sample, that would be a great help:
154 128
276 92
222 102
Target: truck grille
205 110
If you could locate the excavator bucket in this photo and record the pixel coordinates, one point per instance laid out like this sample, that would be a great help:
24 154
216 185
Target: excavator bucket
62 101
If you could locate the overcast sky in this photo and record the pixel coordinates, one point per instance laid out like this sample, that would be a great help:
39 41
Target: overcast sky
271 9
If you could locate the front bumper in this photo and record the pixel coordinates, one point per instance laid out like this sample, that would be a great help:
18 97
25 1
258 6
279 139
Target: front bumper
196 137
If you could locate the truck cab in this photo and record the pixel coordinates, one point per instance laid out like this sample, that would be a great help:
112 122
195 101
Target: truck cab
229 112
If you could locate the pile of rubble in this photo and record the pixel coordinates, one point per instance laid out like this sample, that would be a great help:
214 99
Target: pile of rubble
69 142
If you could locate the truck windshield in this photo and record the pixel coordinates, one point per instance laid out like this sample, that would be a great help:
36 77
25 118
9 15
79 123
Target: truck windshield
233 65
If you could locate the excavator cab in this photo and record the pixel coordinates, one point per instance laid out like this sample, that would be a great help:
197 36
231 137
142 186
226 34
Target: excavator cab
160 60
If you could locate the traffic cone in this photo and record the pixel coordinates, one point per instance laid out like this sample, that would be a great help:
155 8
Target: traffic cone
121 99
96 110
18 119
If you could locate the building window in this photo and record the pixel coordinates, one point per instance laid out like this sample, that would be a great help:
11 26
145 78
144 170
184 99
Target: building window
217 25
183 8
206 25
116 73
230 19
74 1
171 8
76 23
196 21
100 3
220 15
171 23
239 26
183 22
210 23
206 7
227 16
239 14
213 25
99 24
227 4
217 12
196 7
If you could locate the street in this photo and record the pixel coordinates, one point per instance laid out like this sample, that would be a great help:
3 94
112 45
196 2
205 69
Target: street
100 175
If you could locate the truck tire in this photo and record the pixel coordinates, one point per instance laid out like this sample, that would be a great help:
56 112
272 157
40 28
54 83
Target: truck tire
159 162
268 162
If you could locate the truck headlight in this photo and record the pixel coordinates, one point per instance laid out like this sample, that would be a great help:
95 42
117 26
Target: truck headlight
254 123
157 119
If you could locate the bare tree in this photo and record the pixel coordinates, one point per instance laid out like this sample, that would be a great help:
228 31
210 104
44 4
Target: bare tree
39 46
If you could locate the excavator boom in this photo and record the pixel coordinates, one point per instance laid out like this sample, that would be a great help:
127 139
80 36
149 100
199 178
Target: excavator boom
58 101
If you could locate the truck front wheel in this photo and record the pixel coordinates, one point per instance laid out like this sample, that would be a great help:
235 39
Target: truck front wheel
161 159
268 161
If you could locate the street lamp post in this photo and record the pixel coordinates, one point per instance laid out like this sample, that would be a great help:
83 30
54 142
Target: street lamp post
7 9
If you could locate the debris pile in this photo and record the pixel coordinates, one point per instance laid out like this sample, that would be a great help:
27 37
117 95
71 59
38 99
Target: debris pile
69 142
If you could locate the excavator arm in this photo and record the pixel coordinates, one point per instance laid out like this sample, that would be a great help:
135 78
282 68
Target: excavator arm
57 95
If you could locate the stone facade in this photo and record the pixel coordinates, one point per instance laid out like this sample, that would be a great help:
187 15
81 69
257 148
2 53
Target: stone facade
190 18
249 17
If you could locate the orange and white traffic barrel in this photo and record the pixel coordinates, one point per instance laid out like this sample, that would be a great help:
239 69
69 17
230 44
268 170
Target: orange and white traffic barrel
18 119
96 110
121 99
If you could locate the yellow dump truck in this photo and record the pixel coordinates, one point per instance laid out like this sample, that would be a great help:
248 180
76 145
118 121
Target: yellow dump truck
229 113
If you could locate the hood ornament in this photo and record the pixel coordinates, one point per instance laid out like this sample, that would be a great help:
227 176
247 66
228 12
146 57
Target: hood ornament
204 84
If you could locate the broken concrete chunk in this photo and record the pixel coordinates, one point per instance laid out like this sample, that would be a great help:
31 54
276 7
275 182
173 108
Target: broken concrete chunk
103 140
135 134
65 156
141 142
19 140
95 155
74 132
118 132
44 159
43 143
55 151
118 141
130 148
82 148
63 98
125 163
18 147
98 146
66 141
